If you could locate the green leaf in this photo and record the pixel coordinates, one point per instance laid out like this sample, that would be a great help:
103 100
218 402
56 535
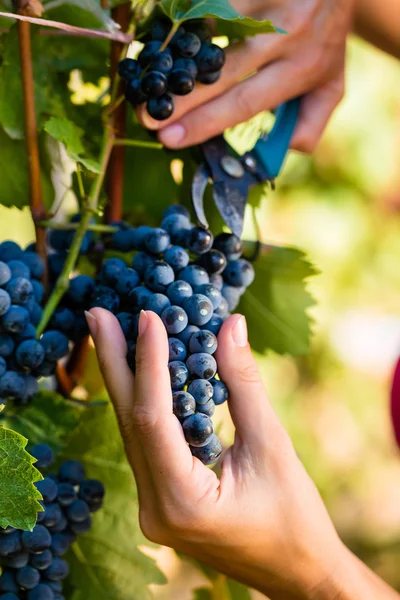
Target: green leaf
90 6
275 305
203 594
48 419
18 496
70 135
178 12
106 562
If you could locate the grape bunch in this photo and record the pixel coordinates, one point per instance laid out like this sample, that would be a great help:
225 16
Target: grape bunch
161 72
31 561
193 282
23 359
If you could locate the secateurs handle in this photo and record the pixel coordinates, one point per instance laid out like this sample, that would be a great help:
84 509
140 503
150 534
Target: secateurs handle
271 150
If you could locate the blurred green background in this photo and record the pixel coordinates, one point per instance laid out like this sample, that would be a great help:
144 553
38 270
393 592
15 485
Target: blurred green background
343 207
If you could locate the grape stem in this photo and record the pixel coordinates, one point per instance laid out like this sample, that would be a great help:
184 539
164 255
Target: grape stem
97 228
138 144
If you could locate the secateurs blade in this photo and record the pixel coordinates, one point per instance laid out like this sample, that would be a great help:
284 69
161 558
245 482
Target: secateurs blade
232 175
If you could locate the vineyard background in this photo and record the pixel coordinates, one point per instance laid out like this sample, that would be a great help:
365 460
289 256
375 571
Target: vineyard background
343 208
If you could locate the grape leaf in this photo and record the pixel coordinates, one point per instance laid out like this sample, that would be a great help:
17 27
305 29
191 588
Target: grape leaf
275 304
106 562
178 12
48 419
18 496
90 6
70 135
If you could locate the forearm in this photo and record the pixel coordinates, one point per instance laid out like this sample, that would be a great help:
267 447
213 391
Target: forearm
379 24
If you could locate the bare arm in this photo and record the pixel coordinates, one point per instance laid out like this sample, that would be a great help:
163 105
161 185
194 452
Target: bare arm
379 23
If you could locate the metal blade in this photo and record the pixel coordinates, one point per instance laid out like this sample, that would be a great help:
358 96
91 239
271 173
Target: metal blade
200 181
231 203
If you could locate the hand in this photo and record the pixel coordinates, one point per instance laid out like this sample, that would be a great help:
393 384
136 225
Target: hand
263 521
308 61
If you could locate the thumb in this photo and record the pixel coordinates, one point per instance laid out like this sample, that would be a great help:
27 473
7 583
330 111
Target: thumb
254 418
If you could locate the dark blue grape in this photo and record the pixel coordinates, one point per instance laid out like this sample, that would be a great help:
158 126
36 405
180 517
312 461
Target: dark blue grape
138 296
217 280
210 453
128 280
112 270
175 319
55 345
159 276
28 333
81 289
5 273
36 541
10 543
177 257
19 269
198 429
177 225
239 273
10 251
232 295
77 511
141 261
38 290
59 239
154 84
184 405
178 373
229 244
105 297
62 319
42 561
195 275
157 241
198 309
203 341
188 45
44 456
207 409
35 263
210 58
35 311
160 29
6 345
41 592
157 303
123 240
60 543
162 63
187 333
223 308
201 390
200 28
202 365
5 302
134 93
200 240
140 235
18 561
178 291
91 490
126 321
213 261
3 366
8 582
56 263
180 82
80 327
30 354
47 368
209 78
52 514
149 53
20 290
81 527
176 209
56 586
12 385
72 471
66 494
220 394
9 596
212 293
160 108
28 577
48 488
128 68
177 349
188 65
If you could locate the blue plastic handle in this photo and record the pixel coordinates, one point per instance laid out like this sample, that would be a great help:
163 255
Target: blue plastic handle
272 149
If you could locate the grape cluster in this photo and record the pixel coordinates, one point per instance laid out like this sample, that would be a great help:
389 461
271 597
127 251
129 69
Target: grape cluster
23 359
193 282
159 73
31 561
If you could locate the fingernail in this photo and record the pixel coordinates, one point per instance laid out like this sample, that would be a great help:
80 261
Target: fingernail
239 332
172 135
143 322
92 323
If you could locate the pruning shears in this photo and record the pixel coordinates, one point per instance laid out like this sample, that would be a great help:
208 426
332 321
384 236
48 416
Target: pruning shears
232 175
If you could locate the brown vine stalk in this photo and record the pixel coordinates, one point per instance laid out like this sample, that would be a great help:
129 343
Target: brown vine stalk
32 144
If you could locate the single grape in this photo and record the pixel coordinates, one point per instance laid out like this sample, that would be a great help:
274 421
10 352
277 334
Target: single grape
134 92
195 275
80 290
52 515
201 390
10 251
42 561
30 354
8 583
55 345
178 291
178 373
157 241
187 333
38 290
154 84
188 65
91 490
188 45
36 541
232 295
5 273
19 269
175 319
213 261
81 527
17 561
44 456
140 236
28 333
212 293
150 52
220 394
123 240
62 319
162 63
105 297
201 365
203 341
15 319
66 493
112 270
177 349
223 308
126 321
210 58
177 226
127 281
198 429
200 240
77 511
141 261
35 263
239 273
229 244
210 452
157 303
60 543
209 78
138 297
35 311
184 405
48 488
160 108
12 385
159 276
198 309
20 290
6 344
176 209
207 409
28 577
41 592
180 82
72 471
10 544
176 257
129 68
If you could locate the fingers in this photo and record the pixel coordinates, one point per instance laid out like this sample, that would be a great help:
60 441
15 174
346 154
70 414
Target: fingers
315 112
241 60
251 411
160 432
267 89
